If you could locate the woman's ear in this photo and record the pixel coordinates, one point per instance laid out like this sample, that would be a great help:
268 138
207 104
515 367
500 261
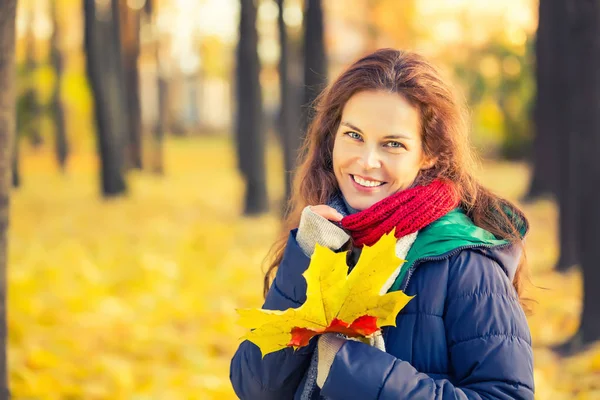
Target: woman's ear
428 162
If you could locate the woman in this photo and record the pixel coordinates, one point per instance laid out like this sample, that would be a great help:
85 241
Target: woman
388 148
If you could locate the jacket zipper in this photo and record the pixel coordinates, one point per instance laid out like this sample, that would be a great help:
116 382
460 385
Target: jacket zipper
439 258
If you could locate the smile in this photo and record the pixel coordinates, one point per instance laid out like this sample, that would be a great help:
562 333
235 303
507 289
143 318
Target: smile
366 182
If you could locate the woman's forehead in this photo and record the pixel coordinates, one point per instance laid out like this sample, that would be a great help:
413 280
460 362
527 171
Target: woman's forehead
381 113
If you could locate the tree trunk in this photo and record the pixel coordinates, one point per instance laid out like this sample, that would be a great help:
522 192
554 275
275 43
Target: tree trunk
130 31
568 198
159 128
584 101
250 135
545 142
104 74
32 123
566 137
120 92
315 59
7 135
585 31
58 112
289 117
161 121
15 170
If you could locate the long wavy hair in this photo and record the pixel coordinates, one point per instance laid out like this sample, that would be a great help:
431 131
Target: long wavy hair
445 135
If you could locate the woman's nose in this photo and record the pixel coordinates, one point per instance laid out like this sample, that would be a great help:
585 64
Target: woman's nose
370 159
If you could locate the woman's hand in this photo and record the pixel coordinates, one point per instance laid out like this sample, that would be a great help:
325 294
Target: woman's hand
327 212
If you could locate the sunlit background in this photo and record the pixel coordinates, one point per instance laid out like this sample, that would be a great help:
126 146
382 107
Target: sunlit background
482 44
134 297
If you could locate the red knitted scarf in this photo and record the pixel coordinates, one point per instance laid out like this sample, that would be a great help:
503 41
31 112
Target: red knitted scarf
408 211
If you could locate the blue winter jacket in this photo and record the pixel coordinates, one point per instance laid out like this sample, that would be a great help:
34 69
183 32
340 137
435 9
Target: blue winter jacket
464 335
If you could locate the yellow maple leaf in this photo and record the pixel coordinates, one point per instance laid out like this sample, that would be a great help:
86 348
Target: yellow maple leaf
336 301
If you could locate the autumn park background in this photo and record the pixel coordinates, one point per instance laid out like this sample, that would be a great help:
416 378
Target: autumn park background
148 172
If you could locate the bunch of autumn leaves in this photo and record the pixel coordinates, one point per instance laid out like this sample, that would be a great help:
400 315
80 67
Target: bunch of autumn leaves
351 304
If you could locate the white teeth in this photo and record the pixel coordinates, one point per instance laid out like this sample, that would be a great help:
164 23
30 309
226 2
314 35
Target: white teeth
364 182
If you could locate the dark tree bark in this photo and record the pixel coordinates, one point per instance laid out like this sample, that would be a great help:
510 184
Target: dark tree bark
566 139
250 134
7 135
161 122
130 29
123 111
546 113
15 170
104 69
148 8
585 31
58 113
159 129
289 117
315 59
32 124
555 143
584 102
28 110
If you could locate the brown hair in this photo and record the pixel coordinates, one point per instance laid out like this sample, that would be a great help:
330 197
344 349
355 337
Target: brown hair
444 133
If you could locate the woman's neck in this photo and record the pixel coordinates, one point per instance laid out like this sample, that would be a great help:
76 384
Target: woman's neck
350 209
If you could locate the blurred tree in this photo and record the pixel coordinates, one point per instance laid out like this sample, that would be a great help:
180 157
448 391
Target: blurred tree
250 134
549 113
27 117
104 69
315 59
161 121
584 18
498 75
158 130
7 135
557 115
28 109
15 171
514 103
289 117
31 125
130 23
58 112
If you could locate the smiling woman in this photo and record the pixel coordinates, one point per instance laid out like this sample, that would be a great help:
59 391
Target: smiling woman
388 150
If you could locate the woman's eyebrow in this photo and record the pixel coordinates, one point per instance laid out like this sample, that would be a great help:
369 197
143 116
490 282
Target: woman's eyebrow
357 129
398 137
349 125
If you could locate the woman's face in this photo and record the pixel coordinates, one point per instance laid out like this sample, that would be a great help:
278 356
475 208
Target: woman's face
378 149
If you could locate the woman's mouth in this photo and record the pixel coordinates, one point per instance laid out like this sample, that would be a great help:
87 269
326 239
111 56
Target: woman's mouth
365 184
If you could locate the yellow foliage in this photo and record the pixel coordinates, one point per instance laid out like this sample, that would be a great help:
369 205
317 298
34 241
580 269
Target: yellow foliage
364 283
131 297
333 294
136 297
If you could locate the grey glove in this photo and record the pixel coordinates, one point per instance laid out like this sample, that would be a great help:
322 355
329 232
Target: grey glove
328 346
314 229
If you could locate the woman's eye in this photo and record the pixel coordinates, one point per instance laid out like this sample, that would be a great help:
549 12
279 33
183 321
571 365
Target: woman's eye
395 145
353 135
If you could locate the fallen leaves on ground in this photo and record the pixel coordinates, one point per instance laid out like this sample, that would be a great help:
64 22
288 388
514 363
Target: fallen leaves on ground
135 298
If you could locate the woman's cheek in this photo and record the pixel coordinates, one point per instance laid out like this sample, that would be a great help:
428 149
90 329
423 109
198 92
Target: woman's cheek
347 151
395 164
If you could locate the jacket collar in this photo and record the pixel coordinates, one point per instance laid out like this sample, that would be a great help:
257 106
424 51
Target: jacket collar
454 232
